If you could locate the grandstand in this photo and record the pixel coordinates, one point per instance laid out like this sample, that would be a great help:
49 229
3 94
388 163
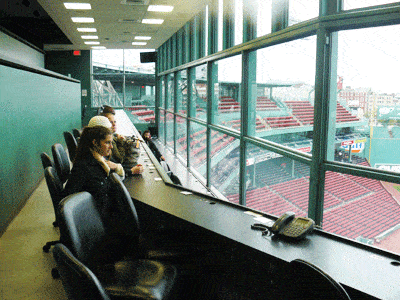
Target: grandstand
354 207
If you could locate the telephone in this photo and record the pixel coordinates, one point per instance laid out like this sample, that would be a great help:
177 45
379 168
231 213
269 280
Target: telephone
289 226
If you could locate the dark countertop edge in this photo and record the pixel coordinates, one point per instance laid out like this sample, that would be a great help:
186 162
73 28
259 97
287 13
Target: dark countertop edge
37 70
167 181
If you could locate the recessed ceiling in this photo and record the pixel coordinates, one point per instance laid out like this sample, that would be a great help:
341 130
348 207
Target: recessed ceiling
48 24
118 21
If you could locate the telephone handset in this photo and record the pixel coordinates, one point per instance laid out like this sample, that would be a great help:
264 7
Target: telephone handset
288 225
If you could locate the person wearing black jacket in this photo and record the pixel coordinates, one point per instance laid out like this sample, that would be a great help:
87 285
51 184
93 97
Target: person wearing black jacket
147 138
90 171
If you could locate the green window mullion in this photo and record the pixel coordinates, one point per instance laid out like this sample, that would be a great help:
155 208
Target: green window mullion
191 106
201 41
249 20
248 114
194 38
321 113
212 108
187 42
280 14
176 105
213 27
228 24
173 50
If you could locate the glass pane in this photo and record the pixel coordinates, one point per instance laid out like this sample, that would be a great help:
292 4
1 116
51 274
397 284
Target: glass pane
139 85
170 92
108 61
363 209
275 184
264 17
367 111
224 163
238 22
108 80
300 11
181 138
200 93
170 130
181 97
162 91
220 23
161 126
353 4
285 93
107 90
229 82
198 151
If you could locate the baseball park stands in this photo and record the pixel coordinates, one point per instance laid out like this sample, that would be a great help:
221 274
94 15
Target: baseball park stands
353 207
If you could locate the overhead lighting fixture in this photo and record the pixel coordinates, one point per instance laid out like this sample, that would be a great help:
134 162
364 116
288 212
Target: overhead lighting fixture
82 20
71 5
92 43
98 47
90 37
143 38
139 43
160 8
87 29
152 21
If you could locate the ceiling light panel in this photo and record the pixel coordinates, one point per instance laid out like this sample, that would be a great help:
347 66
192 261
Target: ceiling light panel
139 43
71 5
90 37
87 29
152 21
160 8
92 43
82 20
143 38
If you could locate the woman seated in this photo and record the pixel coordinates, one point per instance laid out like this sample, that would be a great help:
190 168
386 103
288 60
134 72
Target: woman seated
90 171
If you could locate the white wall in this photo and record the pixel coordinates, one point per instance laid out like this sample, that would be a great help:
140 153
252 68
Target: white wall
14 50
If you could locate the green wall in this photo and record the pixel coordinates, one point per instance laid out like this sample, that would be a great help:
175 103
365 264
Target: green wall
35 110
77 67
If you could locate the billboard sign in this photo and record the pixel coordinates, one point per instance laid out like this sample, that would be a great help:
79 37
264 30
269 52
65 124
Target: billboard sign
357 146
388 167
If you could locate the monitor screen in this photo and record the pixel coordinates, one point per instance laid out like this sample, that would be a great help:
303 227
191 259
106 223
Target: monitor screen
148 57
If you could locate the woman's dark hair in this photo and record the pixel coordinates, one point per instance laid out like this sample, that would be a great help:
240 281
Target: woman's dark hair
85 144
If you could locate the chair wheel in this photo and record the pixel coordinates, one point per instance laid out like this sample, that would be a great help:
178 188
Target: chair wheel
54 273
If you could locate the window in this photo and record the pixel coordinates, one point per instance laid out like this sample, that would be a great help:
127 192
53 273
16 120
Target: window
274 183
199 105
285 93
198 148
227 112
366 131
300 11
353 4
120 80
224 163
181 138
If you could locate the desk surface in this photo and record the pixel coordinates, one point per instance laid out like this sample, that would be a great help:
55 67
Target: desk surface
373 272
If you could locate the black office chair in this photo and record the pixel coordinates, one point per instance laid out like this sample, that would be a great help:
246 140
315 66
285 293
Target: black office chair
56 193
309 282
85 233
176 246
61 162
76 133
78 281
71 144
46 160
